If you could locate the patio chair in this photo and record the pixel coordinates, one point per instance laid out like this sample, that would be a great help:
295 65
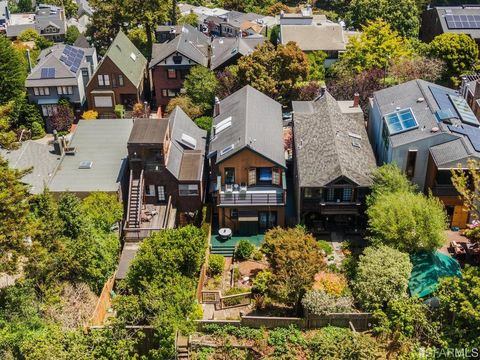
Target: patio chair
458 249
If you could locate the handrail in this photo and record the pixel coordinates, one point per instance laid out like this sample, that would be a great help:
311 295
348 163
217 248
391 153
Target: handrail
129 200
167 212
140 198
251 198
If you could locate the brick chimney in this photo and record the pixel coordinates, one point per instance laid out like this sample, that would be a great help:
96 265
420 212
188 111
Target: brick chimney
356 99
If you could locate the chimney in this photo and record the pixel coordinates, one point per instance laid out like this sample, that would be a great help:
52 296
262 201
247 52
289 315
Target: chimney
282 14
356 99
216 107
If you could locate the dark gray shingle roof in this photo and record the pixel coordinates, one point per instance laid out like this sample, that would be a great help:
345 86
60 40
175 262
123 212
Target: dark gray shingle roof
223 49
330 144
256 124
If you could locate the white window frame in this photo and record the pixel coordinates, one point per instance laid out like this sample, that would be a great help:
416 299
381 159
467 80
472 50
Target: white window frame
49 109
161 196
41 91
188 189
65 90
101 104
150 190
120 80
103 80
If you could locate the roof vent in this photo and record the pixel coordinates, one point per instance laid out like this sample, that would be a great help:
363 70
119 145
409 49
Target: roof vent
355 136
397 108
133 56
435 129
227 149
86 164
356 144
420 100
188 141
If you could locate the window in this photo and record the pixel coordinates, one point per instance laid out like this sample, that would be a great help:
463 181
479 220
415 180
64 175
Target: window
64 90
265 175
103 80
347 194
252 176
312 193
169 93
41 91
171 73
330 194
188 189
161 192
150 190
103 101
49 110
411 160
234 214
84 72
229 175
120 80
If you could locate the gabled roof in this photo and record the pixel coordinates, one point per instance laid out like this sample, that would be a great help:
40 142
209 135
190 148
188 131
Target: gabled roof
54 58
191 43
127 58
330 144
256 124
183 162
223 49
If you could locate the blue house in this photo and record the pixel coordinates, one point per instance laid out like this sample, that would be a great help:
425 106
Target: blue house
427 130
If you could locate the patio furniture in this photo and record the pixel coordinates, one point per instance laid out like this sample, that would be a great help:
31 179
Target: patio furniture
457 248
225 233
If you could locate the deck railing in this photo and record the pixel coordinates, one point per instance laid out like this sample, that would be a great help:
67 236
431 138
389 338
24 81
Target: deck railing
251 198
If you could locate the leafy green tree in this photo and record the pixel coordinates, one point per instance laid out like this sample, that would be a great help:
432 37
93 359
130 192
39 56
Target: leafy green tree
186 104
72 34
382 276
201 85
459 300
63 118
71 7
71 213
377 46
15 226
402 15
294 258
24 6
216 264
190 19
31 35
407 221
12 73
458 51
316 67
204 122
139 38
388 179
103 210
244 250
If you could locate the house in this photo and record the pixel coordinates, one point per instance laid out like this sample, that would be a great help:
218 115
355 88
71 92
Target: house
173 59
38 157
48 21
4 15
62 71
94 159
470 90
167 158
227 51
463 19
333 163
119 78
314 33
247 162
202 12
427 130
234 23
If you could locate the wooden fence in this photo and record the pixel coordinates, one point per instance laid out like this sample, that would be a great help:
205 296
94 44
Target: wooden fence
103 304
206 221
355 321
225 302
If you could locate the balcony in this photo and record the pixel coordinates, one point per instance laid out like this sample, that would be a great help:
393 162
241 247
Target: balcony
251 195
444 190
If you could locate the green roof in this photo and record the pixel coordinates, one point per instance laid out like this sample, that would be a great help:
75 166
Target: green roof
428 269
127 57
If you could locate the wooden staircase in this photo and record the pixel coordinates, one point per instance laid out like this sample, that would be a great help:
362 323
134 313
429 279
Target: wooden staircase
181 343
135 200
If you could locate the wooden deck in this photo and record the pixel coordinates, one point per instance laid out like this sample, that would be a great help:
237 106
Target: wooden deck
154 218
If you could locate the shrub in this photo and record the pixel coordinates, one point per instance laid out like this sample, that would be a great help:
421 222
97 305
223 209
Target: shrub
233 291
37 130
204 122
119 111
332 283
326 247
216 264
90 115
138 110
261 282
257 255
244 250
319 302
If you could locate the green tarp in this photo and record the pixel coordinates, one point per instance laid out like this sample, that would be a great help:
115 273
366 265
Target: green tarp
428 269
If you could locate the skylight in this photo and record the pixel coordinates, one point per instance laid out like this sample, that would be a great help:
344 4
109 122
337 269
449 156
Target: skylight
188 141
133 56
466 114
400 121
222 125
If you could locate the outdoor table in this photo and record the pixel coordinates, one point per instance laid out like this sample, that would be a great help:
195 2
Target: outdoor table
225 233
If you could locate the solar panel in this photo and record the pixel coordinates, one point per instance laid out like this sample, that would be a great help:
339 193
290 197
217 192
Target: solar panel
47 73
471 132
466 114
400 121
72 57
463 21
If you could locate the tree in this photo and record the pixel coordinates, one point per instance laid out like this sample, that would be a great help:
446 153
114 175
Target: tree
458 51
31 35
467 183
24 6
316 67
459 300
62 118
200 86
72 215
244 250
377 47
319 302
419 67
15 226
139 38
407 221
388 179
186 104
382 276
204 122
12 73
103 210
273 71
227 81
401 15
72 34
294 257
190 19
276 9
307 90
